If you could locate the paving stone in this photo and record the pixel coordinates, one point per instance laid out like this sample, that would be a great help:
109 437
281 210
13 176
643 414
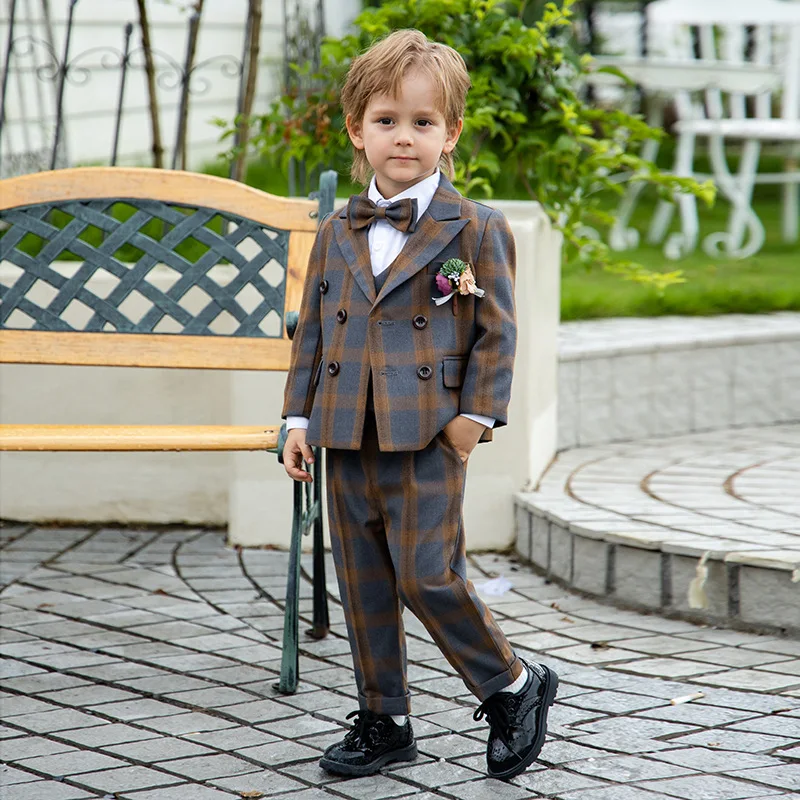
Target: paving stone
11 775
71 763
50 721
633 727
30 746
710 787
697 714
126 779
450 746
14 705
232 738
785 776
158 749
481 790
626 769
165 683
708 760
181 724
186 791
436 774
105 734
203 767
751 679
45 790
738 741
43 682
270 783
212 697
278 753
117 671
259 711
554 782
616 793
671 668
89 695
613 702
777 725
142 708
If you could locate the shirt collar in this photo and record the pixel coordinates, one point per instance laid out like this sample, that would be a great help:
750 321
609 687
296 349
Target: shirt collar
422 191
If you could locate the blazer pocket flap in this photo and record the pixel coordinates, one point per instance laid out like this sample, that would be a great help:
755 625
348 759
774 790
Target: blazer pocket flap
453 369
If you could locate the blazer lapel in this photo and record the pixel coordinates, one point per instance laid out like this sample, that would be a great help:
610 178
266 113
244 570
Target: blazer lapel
355 249
437 227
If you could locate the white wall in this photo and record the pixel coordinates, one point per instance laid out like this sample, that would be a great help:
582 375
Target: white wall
251 490
91 107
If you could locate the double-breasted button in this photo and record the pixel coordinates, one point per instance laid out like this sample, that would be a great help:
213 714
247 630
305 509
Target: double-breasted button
323 287
341 316
424 372
420 321
333 368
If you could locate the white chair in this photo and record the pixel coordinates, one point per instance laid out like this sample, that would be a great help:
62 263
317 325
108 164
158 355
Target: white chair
760 35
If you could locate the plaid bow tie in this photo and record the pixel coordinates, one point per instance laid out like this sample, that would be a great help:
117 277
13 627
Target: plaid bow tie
402 214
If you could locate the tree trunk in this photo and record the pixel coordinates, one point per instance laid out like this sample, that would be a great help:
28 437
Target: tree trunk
150 71
250 87
190 57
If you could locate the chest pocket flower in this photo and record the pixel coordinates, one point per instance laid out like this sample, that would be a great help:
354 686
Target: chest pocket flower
455 277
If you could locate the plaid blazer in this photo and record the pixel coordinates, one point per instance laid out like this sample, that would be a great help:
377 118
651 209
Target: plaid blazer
428 363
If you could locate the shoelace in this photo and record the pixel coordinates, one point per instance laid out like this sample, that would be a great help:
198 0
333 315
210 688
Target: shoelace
496 712
501 713
365 721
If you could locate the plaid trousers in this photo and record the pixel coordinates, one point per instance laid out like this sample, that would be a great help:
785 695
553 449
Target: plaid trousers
398 537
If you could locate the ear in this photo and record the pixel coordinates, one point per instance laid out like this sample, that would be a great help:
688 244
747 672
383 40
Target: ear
452 137
354 131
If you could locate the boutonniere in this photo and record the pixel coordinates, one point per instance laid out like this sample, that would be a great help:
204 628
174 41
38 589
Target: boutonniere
455 277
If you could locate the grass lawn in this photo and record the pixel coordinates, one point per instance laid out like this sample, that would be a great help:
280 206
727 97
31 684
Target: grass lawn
768 281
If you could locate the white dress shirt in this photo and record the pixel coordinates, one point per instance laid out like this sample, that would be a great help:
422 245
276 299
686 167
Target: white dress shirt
385 244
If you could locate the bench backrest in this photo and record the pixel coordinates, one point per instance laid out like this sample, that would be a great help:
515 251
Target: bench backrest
151 268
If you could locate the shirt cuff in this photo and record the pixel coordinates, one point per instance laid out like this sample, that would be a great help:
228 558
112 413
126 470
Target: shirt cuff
296 422
487 422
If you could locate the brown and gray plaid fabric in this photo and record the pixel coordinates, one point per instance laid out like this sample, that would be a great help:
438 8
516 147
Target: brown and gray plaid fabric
427 364
397 536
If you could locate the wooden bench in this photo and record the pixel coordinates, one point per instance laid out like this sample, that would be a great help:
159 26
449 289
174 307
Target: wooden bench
156 236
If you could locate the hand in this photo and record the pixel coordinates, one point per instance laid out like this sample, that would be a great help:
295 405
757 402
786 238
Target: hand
295 451
463 433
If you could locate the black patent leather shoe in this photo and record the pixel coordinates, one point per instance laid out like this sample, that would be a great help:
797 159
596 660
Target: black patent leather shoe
374 741
518 722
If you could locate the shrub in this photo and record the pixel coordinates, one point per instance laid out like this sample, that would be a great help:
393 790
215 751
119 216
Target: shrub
526 120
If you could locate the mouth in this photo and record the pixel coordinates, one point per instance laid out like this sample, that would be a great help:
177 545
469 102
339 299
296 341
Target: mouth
403 158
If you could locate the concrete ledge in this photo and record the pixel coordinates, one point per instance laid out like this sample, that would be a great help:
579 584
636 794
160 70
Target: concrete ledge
624 379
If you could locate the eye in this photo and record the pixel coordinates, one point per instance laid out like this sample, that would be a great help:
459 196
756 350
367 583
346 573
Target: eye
385 121
425 123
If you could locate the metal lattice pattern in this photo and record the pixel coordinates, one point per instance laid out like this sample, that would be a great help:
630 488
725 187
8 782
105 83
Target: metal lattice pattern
190 280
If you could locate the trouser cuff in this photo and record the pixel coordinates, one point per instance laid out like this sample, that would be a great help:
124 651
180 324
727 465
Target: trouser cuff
498 682
396 706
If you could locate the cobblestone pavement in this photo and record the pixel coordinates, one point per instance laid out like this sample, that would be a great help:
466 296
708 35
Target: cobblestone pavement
139 665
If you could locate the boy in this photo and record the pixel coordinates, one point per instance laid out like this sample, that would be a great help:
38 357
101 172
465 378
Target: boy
401 363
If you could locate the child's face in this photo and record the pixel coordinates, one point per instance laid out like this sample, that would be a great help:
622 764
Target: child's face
403 137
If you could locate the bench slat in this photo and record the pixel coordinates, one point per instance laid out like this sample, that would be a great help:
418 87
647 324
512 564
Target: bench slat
144 350
95 438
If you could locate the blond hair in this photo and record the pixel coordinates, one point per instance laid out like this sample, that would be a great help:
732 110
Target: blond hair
382 68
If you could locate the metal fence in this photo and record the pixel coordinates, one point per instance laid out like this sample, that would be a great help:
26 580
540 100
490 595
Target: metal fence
39 66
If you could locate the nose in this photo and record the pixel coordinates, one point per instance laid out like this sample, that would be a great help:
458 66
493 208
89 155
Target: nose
403 135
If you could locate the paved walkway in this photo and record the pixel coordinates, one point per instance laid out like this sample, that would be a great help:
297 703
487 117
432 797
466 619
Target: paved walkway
139 665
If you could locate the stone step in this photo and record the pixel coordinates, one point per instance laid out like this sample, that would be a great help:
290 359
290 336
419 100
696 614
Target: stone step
700 526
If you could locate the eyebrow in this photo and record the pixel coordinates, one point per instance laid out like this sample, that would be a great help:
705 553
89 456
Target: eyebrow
389 111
